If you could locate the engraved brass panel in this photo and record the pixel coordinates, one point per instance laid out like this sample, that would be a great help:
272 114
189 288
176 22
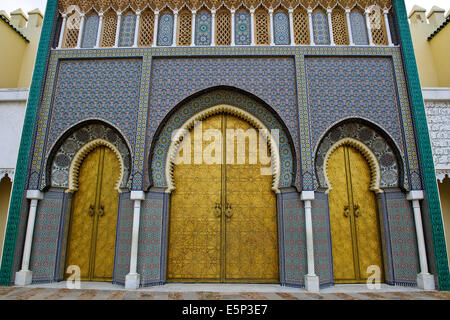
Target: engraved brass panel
93 220
354 221
223 225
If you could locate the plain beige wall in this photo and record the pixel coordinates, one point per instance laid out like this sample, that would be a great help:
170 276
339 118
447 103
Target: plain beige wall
12 48
5 192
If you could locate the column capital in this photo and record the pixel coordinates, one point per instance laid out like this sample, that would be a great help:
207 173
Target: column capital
307 195
291 10
137 195
64 15
252 10
100 14
35 195
270 11
233 10
175 12
194 11
309 11
415 195
348 10
385 11
156 12
213 11
138 13
329 10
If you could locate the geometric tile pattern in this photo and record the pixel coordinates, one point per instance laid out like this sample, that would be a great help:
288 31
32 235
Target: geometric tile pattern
354 87
46 237
159 153
270 79
322 239
243 28
165 30
203 29
295 257
387 159
281 28
90 31
359 28
402 239
105 89
123 238
127 29
71 145
320 28
150 240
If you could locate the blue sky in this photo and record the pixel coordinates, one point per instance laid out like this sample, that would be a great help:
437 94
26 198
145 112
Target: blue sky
28 5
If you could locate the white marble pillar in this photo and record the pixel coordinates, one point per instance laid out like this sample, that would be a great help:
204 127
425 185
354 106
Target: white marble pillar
25 275
369 28
194 16
291 26
349 26
175 22
213 27
233 26
80 33
99 30
252 27
132 280
330 27
311 279
311 28
425 280
119 22
136 29
155 29
272 28
388 28
63 30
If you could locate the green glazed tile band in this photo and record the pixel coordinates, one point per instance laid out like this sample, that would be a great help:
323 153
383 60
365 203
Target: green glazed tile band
26 144
423 139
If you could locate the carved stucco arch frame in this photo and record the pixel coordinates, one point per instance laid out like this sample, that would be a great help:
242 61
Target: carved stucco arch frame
375 171
240 113
81 154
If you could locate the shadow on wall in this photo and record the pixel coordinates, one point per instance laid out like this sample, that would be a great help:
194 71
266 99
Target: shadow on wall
5 193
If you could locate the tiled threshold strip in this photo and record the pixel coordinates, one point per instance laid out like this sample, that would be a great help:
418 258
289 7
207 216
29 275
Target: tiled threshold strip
102 291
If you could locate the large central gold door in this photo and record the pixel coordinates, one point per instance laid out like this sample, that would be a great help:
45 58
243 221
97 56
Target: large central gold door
93 221
354 221
223 225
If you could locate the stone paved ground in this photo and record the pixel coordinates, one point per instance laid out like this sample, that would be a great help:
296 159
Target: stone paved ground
27 293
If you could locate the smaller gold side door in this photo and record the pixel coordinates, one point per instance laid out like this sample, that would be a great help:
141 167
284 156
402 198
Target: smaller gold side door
93 222
355 232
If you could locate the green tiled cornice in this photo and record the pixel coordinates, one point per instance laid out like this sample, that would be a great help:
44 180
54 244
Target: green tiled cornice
424 145
26 144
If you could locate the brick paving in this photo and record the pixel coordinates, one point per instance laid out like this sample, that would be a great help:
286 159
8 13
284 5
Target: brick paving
26 293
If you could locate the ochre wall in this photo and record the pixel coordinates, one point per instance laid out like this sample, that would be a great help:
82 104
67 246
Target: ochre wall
12 48
440 47
444 194
5 192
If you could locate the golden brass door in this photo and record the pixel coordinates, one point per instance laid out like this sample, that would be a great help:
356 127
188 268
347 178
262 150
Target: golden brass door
223 225
93 220
355 231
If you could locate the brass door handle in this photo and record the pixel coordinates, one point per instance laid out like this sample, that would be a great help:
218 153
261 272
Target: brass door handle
357 211
228 211
346 211
91 210
218 210
101 211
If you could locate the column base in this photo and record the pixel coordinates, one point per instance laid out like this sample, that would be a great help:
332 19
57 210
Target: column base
312 283
23 278
425 281
132 281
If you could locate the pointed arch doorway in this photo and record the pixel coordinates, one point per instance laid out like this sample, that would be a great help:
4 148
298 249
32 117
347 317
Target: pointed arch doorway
93 221
223 217
354 221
